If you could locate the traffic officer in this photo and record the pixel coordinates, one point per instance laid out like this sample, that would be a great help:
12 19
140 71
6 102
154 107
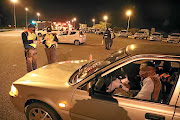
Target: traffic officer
50 40
107 38
30 42
112 38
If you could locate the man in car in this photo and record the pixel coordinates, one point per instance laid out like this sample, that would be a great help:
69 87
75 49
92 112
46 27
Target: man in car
50 42
150 82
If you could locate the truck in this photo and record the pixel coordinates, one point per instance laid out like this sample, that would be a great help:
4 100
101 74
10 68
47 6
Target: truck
141 34
42 25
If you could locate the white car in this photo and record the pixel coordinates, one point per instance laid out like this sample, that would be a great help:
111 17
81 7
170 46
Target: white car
74 37
143 33
174 38
156 36
124 33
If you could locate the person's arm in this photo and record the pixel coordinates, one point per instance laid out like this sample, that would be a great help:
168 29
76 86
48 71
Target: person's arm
55 38
147 89
24 38
43 41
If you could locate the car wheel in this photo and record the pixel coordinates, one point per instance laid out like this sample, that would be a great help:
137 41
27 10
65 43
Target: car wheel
134 37
76 42
41 111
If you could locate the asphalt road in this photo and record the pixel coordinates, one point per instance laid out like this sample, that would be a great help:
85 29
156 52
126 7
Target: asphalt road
13 66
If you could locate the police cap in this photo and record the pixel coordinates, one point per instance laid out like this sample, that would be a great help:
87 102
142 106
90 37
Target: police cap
31 26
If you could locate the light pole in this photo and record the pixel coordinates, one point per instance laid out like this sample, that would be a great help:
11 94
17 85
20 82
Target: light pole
128 13
38 14
93 22
26 16
14 1
105 18
74 23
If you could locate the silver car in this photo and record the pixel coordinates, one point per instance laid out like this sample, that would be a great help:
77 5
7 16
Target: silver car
76 90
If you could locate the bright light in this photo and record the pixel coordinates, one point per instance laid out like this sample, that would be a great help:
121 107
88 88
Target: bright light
33 22
74 19
93 20
128 13
14 1
14 91
105 17
38 14
26 9
62 105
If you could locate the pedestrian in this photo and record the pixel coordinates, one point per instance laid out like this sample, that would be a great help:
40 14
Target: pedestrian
112 38
107 38
30 42
50 41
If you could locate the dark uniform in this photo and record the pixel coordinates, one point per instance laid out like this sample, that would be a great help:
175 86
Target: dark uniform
29 40
107 37
50 41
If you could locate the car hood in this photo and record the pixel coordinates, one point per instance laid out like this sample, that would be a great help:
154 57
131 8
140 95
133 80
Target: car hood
54 75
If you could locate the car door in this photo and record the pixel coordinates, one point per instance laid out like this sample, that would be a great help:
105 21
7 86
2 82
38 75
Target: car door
98 107
63 37
72 36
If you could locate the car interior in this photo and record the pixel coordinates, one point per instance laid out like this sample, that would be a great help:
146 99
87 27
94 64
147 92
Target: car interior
169 69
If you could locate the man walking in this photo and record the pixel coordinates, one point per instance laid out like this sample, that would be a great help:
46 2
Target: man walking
30 42
50 41
112 38
107 38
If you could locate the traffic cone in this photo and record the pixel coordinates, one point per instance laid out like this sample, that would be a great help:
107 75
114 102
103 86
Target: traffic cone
90 57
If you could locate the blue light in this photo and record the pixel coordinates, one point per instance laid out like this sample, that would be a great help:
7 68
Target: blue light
33 22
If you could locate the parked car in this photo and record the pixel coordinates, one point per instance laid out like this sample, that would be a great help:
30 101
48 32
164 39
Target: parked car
92 30
143 33
74 90
74 37
124 33
174 38
156 36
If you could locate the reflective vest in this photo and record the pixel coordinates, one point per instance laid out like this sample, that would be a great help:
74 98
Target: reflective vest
32 36
105 35
165 77
112 35
50 40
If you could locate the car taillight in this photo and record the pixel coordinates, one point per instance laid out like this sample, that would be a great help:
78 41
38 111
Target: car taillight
80 36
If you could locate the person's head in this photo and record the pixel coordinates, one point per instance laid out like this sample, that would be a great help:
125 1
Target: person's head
31 28
49 29
147 69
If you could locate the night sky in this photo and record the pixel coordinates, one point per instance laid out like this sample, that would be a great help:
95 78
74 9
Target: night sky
164 15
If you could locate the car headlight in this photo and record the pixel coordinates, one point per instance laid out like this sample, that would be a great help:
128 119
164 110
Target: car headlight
14 91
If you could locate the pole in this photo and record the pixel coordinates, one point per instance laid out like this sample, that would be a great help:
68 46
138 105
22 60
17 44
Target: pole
128 24
105 24
26 18
38 17
14 16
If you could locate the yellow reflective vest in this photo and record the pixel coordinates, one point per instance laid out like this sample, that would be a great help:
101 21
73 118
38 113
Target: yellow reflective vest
32 36
50 40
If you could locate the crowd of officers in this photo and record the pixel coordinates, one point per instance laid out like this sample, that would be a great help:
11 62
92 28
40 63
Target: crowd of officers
50 41
30 42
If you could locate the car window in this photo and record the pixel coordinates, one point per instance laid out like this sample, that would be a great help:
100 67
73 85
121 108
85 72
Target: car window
126 81
72 33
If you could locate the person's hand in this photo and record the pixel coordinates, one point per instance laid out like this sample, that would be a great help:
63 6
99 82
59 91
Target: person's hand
35 41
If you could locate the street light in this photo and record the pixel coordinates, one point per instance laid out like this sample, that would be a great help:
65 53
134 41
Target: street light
128 13
93 22
14 1
74 22
38 14
105 18
26 16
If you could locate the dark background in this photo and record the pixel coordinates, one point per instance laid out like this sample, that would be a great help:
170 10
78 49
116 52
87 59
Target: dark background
164 15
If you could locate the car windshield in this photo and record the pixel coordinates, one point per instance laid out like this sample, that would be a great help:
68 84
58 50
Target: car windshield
94 66
156 34
140 31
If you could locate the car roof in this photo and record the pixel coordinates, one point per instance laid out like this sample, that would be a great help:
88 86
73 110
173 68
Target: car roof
159 49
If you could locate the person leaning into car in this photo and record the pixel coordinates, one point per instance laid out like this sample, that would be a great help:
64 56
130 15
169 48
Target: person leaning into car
50 41
30 43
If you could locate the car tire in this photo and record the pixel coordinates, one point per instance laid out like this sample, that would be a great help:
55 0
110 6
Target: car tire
76 42
41 110
134 37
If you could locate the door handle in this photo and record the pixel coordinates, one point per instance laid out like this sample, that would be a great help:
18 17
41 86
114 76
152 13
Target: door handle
152 116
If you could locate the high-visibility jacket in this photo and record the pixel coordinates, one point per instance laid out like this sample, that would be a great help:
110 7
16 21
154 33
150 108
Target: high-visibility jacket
112 35
50 40
31 36
165 77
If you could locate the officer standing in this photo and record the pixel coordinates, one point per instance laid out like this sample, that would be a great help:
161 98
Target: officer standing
30 42
112 38
107 38
50 40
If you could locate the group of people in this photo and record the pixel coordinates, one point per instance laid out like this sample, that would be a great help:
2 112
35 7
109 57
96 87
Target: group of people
108 37
30 42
